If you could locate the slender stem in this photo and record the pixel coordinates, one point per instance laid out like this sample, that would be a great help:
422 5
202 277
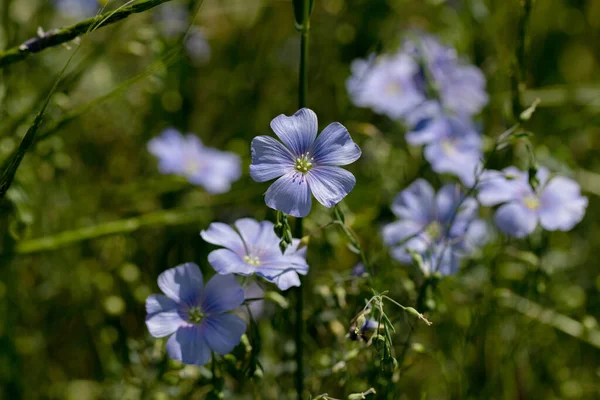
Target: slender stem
298 231
303 78
59 36
213 372
299 324
419 306
519 75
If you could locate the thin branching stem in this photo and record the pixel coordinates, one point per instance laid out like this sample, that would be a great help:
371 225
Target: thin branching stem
57 37
519 74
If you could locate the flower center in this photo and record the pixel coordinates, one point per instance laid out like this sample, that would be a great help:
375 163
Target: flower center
195 315
393 88
304 163
448 147
434 230
532 202
191 166
252 260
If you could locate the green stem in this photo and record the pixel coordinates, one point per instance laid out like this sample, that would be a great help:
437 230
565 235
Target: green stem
298 231
419 306
11 165
303 77
213 370
299 325
518 78
157 218
59 36
547 316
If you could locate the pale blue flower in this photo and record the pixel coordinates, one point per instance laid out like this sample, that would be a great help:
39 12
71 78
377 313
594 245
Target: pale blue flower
186 156
397 84
388 84
557 204
197 47
460 87
77 8
195 316
172 19
435 227
304 163
254 249
452 145
359 270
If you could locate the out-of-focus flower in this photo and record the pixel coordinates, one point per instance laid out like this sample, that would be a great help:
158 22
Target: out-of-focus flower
452 145
460 87
186 156
304 163
556 204
195 316
197 47
77 8
434 227
254 249
423 70
427 86
172 19
359 270
389 84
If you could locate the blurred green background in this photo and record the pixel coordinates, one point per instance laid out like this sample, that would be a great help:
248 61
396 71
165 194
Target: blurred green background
90 223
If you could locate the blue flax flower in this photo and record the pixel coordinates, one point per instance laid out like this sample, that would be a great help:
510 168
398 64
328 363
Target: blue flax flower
460 87
197 47
359 270
254 249
423 70
388 84
452 145
172 19
438 228
186 156
304 163
557 204
196 316
77 8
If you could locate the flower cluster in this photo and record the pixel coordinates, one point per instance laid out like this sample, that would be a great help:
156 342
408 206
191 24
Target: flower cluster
186 156
197 318
439 228
431 90
198 321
